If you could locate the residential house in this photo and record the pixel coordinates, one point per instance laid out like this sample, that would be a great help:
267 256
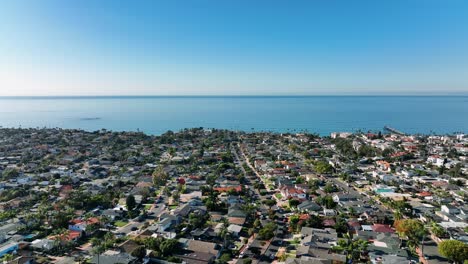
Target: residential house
235 230
83 225
309 206
290 192
199 252
121 258
344 197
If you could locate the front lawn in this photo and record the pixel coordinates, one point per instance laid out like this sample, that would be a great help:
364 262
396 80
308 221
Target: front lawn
120 223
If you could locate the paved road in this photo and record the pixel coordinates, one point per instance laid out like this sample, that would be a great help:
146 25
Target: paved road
127 229
271 249
263 208
247 161
430 250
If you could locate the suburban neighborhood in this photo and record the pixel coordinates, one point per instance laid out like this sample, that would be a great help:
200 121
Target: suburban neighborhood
218 196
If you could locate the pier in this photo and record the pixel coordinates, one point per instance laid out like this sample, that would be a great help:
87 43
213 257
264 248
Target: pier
394 130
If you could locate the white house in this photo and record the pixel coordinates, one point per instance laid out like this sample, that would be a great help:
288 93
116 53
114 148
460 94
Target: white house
329 212
291 192
436 160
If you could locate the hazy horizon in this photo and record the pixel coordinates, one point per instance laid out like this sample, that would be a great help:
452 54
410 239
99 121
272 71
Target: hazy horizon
231 95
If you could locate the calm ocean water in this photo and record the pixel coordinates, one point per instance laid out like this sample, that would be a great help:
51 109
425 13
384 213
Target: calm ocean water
318 114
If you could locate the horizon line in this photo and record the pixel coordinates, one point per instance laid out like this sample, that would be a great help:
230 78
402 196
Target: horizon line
220 96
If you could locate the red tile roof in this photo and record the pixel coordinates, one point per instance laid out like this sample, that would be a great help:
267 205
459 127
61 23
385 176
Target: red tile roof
398 154
70 235
424 194
329 222
227 189
382 228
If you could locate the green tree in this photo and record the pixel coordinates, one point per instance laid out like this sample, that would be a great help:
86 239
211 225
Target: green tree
293 221
387 152
366 151
98 250
270 203
257 223
176 197
329 188
351 247
10 173
341 226
197 221
293 203
323 167
327 202
225 234
139 252
160 176
438 230
454 250
267 232
7 257
402 206
314 221
169 246
351 211
456 170
225 258
131 203
413 230
397 215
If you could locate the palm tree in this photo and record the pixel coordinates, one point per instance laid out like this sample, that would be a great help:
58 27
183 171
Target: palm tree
353 248
98 250
414 231
61 237
224 233
250 209
397 215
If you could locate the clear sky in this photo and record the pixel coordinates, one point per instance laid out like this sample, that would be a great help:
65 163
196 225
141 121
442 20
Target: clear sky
199 47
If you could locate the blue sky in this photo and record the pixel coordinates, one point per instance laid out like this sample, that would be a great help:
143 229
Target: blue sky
233 47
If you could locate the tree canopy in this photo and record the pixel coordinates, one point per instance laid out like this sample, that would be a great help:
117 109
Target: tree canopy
267 232
323 167
351 247
413 229
131 203
160 177
454 250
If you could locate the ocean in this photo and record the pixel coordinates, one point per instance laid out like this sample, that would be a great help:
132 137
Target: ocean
315 114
